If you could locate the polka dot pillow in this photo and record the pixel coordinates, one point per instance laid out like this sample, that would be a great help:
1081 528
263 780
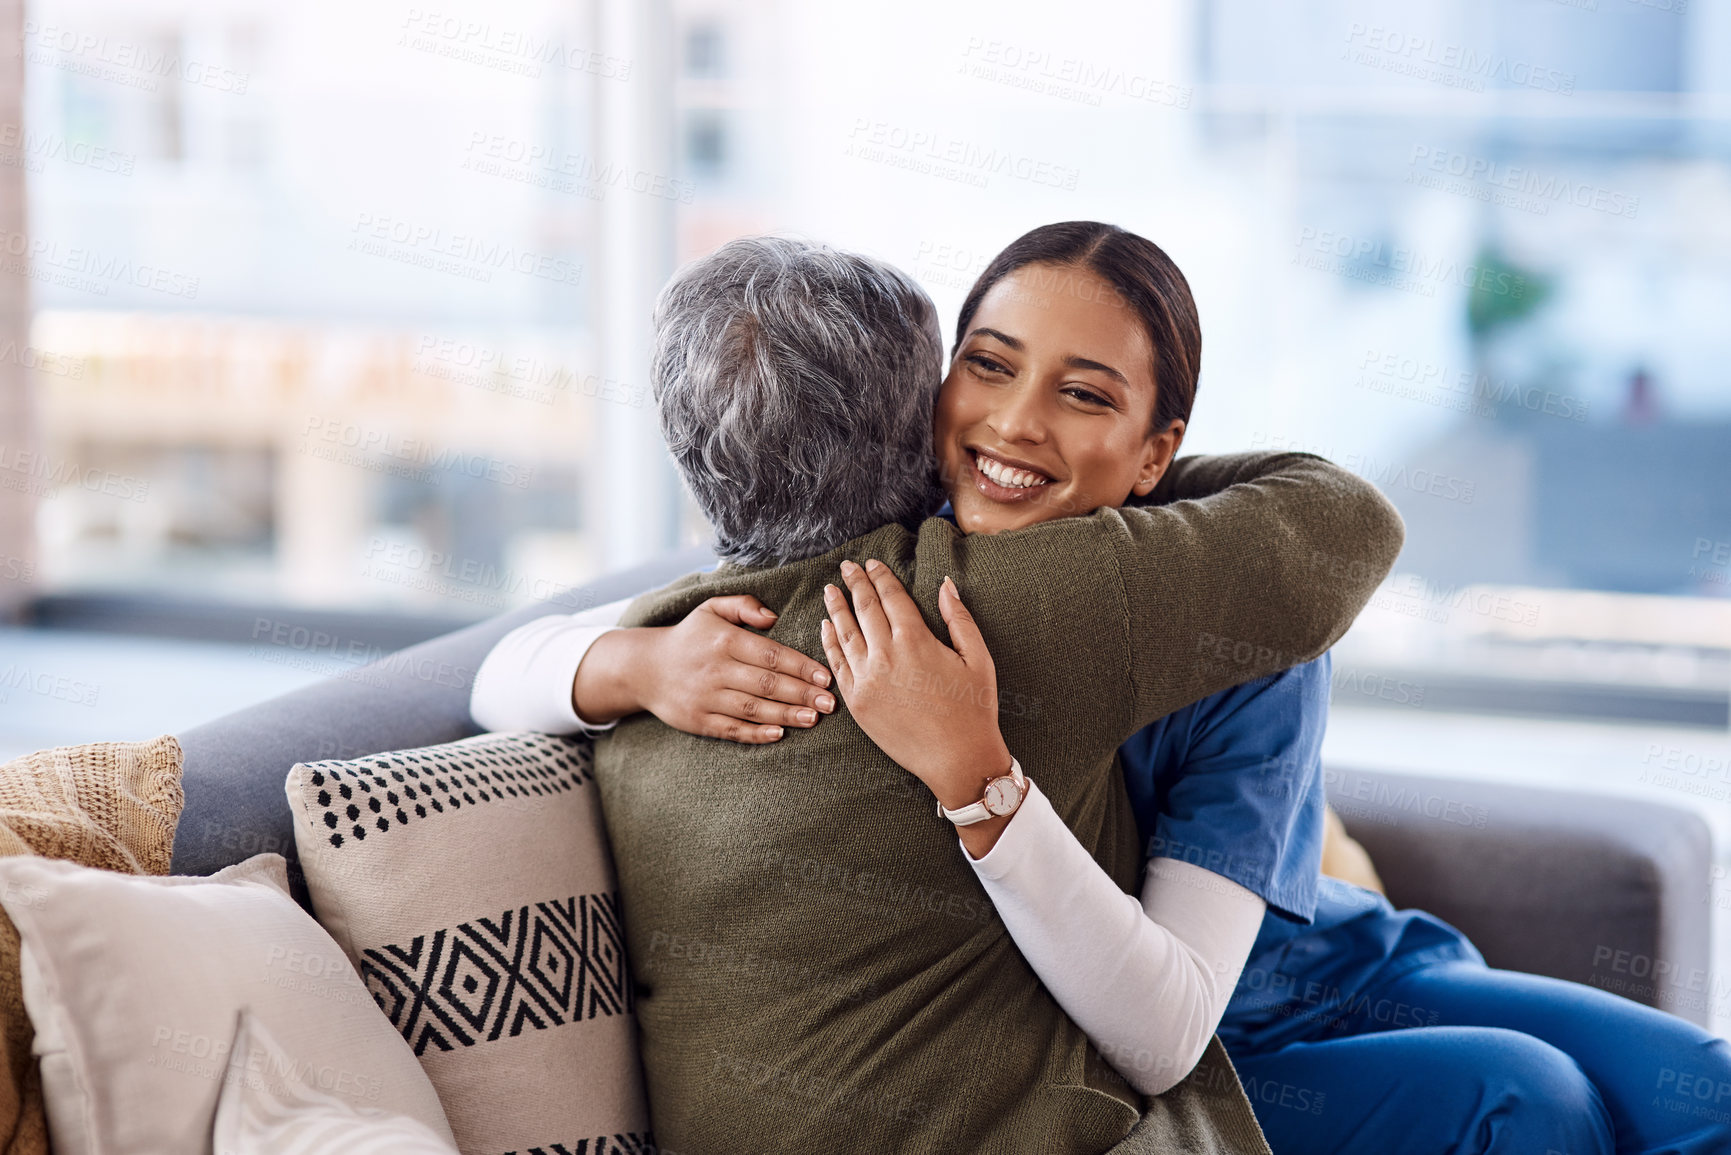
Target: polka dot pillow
472 887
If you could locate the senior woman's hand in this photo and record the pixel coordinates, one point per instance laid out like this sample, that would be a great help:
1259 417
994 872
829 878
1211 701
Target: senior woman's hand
707 675
933 709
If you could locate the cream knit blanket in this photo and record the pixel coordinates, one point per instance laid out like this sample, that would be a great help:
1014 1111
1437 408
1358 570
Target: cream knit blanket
112 805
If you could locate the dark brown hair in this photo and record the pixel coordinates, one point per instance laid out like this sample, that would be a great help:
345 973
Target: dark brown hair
1145 279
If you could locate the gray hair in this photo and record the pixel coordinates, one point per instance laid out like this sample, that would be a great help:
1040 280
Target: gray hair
796 385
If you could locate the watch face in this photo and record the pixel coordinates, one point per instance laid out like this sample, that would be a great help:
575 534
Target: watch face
1002 796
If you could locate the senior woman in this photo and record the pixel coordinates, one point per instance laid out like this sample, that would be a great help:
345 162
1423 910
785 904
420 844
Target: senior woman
795 387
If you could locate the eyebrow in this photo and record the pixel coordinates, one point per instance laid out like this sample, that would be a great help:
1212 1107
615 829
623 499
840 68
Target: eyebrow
1004 337
1069 362
1084 363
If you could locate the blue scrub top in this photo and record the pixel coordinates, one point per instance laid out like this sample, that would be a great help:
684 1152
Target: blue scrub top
1233 784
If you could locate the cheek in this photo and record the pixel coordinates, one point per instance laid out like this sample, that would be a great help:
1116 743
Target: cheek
959 407
1105 473
943 412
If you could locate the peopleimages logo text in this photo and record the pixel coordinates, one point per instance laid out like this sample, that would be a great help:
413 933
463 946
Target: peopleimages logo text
1409 263
139 65
1456 65
1543 188
920 149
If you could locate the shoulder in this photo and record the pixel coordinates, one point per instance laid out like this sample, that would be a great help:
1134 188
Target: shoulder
1254 720
892 544
659 606
1104 532
1290 695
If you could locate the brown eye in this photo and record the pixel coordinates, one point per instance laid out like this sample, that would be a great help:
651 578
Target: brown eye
1088 396
987 364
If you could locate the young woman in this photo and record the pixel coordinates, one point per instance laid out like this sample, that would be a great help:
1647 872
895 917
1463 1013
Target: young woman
1355 1028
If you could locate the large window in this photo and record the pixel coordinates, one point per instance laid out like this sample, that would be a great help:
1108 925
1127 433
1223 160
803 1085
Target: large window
317 297
328 296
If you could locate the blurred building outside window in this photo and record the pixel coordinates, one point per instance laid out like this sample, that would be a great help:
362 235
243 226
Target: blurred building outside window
345 305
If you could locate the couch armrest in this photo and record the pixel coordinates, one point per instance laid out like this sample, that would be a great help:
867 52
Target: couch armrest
235 766
1600 890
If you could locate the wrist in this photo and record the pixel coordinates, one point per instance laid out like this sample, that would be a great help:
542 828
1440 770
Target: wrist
608 682
962 778
979 839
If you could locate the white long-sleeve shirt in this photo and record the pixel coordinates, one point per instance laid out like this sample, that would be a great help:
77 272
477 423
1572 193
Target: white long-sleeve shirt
1147 981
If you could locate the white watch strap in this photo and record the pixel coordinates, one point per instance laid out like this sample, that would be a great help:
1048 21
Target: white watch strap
976 811
968 815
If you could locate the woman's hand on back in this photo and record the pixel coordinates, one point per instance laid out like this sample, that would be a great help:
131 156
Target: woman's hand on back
933 709
708 675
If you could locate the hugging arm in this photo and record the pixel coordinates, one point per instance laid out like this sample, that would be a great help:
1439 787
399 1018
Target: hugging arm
525 681
1278 552
710 675
1147 981
707 675
1190 598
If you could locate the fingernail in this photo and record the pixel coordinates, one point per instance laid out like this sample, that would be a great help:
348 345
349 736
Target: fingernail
809 717
873 564
774 732
825 703
821 677
848 566
769 611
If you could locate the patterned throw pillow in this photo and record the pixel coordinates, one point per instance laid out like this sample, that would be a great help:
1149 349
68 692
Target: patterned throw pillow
472 886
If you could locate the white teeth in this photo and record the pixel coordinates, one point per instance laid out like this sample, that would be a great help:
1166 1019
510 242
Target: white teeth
1006 476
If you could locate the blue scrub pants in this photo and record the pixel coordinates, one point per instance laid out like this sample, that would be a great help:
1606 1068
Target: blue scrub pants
1514 1064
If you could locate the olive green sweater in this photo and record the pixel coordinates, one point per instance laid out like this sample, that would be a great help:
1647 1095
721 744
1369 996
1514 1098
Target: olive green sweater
817 968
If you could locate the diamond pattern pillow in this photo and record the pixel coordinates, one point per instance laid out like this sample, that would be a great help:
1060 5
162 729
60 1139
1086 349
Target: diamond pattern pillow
472 886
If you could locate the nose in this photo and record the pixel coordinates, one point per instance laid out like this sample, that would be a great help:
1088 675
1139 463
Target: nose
1018 416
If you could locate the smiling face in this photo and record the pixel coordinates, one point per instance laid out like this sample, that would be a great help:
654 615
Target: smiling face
1048 409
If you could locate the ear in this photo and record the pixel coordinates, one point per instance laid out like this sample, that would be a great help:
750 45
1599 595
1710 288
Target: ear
1157 453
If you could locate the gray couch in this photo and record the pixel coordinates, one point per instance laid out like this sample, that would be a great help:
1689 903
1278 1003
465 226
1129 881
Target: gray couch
1598 890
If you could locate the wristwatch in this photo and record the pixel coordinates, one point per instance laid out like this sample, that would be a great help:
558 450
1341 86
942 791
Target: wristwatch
1002 796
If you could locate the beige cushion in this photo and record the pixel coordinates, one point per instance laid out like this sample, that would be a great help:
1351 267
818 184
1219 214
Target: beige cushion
108 804
268 1107
1343 857
472 885
134 985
